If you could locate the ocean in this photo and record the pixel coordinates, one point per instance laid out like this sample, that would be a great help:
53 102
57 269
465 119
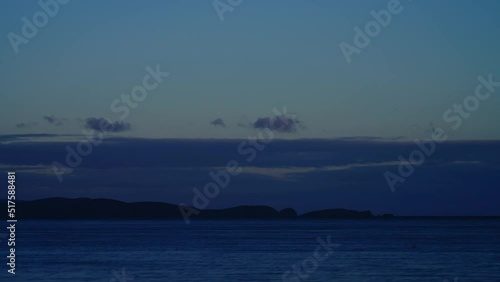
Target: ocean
221 250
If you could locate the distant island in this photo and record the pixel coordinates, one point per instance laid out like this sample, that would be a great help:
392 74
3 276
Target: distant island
85 208
95 209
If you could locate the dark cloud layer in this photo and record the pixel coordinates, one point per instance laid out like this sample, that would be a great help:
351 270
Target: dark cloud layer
105 125
278 153
461 177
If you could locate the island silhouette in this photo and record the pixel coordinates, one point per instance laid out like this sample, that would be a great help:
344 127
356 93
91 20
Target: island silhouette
86 208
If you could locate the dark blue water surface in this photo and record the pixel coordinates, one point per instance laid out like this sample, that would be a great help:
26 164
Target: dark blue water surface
369 250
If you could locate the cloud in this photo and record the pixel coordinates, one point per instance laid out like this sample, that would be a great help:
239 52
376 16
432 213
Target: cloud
25 125
245 124
282 123
13 138
105 125
370 138
54 120
51 119
218 122
319 153
327 172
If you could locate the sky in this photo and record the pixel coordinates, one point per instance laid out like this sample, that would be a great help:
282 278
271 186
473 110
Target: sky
214 78
263 55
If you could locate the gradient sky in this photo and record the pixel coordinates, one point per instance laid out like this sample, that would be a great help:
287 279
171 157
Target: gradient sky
349 122
264 55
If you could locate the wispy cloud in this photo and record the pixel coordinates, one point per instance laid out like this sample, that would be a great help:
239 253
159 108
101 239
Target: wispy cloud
26 125
54 120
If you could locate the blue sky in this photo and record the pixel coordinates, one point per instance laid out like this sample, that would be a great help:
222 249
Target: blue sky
264 55
214 83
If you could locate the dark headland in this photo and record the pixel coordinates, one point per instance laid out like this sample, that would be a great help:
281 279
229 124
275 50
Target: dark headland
85 208
95 209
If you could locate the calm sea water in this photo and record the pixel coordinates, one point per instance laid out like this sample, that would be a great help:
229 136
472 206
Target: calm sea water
369 250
